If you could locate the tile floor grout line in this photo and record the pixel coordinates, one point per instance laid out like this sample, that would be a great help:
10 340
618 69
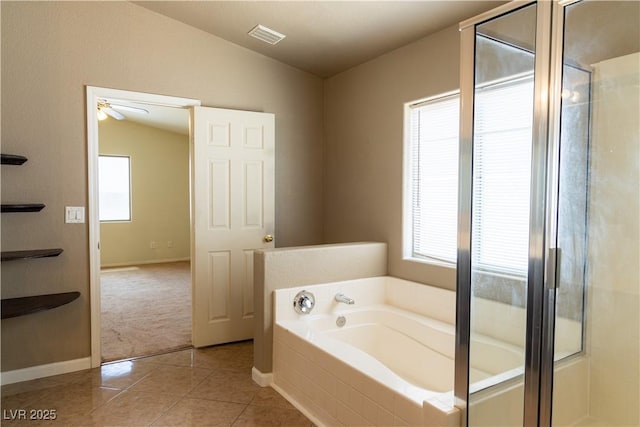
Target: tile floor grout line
239 415
167 410
122 391
107 401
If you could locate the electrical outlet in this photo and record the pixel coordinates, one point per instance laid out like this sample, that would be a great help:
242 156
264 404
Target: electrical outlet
153 245
170 244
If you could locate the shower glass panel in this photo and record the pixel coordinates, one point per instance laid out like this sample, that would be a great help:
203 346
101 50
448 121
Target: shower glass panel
598 224
502 143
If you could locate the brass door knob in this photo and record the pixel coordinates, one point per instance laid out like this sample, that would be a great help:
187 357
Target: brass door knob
268 238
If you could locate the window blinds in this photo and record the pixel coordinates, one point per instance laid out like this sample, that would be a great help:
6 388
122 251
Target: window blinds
503 126
502 162
434 178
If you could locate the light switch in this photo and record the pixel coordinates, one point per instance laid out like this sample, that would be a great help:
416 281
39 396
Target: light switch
74 215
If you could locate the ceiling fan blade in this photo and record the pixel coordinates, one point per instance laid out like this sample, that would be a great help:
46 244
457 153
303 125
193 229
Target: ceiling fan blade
113 113
129 108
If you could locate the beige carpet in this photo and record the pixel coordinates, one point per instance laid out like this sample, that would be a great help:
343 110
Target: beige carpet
145 310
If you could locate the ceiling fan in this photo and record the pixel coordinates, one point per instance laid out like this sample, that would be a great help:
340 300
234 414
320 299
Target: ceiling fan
106 109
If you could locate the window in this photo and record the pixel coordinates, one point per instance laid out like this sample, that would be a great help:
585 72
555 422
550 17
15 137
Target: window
114 190
502 157
502 174
433 150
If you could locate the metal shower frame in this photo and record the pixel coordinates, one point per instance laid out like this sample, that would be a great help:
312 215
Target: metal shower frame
541 279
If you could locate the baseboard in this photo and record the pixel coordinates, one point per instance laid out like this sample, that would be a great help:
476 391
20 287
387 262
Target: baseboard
41 371
153 261
262 379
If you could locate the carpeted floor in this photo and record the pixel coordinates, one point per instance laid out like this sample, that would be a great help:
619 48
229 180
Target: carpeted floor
145 309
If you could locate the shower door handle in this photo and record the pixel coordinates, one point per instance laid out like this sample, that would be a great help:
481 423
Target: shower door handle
553 268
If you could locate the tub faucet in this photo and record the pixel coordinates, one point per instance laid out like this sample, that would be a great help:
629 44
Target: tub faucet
340 297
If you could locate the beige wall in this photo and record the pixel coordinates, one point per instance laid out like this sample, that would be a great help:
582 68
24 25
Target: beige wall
159 194
364 139
50 51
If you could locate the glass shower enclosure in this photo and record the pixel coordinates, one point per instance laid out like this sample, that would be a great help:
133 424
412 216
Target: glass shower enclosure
548 323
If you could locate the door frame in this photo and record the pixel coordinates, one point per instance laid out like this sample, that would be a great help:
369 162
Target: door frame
94 93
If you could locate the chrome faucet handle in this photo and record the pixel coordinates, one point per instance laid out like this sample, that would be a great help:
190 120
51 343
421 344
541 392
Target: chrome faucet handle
304 302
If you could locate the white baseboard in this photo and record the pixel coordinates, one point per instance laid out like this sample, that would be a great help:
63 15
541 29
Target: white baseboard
262 379
42 371
153 261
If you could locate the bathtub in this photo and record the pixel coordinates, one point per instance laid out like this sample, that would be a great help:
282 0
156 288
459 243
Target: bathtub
392 363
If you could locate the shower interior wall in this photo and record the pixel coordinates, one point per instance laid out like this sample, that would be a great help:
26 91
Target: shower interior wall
613 270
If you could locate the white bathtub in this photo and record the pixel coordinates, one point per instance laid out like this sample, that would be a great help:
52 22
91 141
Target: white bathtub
410 351
392 363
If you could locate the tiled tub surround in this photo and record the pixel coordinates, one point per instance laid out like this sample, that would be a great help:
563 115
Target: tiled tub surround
391 364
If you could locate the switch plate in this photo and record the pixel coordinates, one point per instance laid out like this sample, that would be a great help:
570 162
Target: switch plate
74 214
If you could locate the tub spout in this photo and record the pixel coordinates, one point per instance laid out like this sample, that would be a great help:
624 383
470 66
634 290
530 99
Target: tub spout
340 297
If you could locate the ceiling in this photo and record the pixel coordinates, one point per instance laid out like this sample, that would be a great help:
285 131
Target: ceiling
162 117
323 37
328 37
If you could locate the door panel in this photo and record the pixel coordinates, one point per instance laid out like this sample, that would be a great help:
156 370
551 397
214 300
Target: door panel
233 209
247 288
505 55
598 215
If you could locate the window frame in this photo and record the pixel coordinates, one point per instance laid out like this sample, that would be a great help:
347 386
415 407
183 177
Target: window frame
130 202
408 253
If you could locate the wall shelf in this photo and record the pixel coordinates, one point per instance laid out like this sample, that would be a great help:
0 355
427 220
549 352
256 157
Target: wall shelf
14 307
22 207
32 253
12 159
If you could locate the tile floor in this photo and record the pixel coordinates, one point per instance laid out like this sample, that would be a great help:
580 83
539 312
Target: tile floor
204 387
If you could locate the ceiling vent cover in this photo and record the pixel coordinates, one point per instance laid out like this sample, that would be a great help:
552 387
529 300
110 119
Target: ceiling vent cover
266 34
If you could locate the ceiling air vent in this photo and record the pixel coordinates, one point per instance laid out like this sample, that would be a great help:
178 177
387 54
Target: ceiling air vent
266 34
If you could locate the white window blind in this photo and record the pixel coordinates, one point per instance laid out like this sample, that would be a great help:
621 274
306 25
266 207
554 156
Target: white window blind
502 163
114 188
434 178
503 126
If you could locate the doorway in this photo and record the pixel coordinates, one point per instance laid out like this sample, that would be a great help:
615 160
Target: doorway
144 218
135 277
232 212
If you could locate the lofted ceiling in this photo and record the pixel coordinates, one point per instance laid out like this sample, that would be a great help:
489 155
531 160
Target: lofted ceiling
327 37
322 37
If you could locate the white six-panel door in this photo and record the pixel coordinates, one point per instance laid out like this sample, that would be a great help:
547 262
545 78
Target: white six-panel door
233 215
